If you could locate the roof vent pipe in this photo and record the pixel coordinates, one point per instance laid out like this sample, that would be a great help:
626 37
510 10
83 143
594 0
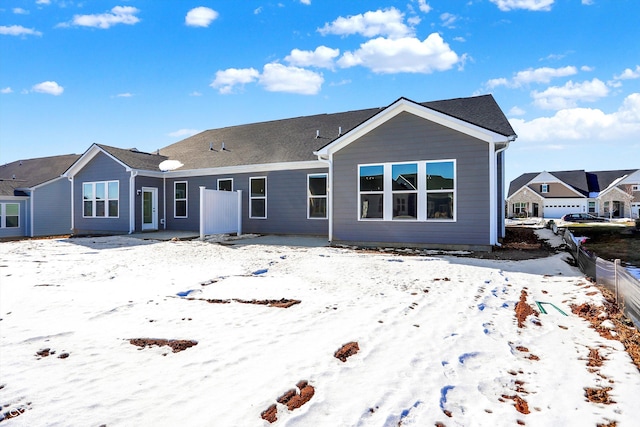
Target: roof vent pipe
317 133
211 146
223 146
339 130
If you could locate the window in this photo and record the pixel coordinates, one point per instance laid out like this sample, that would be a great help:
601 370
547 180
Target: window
9 215
440 189
100 199
258 197
635 187
416 191
180 199
317 194
225 184
520 209
371 192
404 187
592 207
544 188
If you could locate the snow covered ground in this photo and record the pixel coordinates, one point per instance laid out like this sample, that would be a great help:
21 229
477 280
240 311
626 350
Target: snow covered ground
438 338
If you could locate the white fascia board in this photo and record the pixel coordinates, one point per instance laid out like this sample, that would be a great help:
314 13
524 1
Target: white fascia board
522 189
612 188
87 157
230 170
14 198
546 177
404 105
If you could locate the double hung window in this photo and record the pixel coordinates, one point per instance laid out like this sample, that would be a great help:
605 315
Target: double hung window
317 195
180 192
9 215
258 197
100 199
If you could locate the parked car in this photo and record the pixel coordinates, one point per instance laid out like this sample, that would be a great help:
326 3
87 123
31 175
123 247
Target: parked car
582 217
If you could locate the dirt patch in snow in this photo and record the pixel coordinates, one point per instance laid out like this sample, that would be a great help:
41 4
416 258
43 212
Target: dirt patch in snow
292 399
279 303
523 309
346 351
176 345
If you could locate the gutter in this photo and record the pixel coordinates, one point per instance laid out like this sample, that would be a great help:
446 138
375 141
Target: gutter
329 161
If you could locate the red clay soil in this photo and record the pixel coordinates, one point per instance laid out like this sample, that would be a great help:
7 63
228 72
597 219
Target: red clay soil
598 395
176 345
523 309
520 404
292 399
279 303
347 350
270 414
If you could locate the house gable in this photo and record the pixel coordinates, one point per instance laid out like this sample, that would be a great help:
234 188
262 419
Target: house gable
548 185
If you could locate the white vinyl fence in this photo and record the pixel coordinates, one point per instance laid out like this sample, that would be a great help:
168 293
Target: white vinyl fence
220 212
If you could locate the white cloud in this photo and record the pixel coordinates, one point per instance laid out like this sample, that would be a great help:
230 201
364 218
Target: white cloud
51 88
183 133
280 78
448 20
587 2
257 11
322 57
424 6
200 17
43 1
535 5
583 124
629 74
568 96
20 11
405 55
516 111
18 30
124 95
307 2
538 75
6 90
226 80
117 15
195 93
388 22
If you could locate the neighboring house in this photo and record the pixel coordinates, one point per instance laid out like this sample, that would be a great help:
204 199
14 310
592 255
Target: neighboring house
35 198
423 174
612 194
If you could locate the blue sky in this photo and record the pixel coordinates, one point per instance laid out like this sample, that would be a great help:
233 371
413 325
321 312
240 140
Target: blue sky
145 74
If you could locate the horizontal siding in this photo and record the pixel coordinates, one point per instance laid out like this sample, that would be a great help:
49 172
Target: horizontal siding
410 138
52 208
102 168
23 220
286 203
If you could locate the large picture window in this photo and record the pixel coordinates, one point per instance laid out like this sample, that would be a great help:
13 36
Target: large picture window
317 194
180 198
258 197
100 199
9 215
415 191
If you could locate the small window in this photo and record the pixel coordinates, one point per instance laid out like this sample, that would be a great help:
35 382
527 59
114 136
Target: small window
9 215
635 187
317 195
544 188
372 192
258 198
225 184
100 199
180 199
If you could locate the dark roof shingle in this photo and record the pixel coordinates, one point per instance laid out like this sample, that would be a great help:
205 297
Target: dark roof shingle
31 172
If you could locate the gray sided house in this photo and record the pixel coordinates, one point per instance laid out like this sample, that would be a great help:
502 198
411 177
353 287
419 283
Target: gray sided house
420 174
35 198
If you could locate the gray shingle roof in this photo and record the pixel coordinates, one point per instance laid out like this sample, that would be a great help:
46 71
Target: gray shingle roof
134 158
31 172
294 139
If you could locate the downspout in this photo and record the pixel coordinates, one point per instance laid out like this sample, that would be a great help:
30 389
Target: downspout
509 139
164 200
329 162
31 203
73 215
132 202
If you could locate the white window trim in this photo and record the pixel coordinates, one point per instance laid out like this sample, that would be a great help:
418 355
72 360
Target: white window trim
387 192
224 179
635 187
325 197
252 198
186 199
544 188
106 199
3 214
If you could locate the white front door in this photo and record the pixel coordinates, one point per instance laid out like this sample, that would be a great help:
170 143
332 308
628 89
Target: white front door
149 208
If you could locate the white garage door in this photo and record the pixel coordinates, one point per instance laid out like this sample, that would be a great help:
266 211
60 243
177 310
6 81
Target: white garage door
556 208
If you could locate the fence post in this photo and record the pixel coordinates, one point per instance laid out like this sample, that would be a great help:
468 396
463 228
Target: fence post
239 233
616 263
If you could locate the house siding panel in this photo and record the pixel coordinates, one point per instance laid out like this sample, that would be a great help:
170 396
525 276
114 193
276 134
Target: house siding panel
410 138
286 203
52 208
102 168
23 221
556 190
